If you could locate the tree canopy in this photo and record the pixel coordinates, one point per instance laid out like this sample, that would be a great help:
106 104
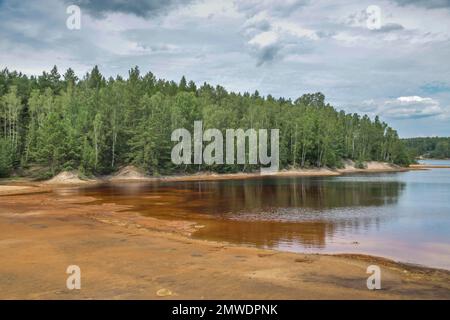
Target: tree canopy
96 125
429 147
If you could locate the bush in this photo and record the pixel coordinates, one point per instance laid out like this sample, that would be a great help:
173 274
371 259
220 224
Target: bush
340 164
359 164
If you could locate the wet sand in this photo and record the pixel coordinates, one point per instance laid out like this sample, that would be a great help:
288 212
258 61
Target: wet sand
123 255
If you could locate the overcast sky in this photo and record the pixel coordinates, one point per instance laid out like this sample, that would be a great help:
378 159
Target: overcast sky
400 70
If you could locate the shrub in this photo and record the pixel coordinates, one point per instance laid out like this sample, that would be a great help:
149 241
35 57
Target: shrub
359 164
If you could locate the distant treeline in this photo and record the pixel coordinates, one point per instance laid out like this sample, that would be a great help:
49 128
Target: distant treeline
430 147
96 125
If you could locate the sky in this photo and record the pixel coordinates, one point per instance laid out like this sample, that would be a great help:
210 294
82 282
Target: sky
395 64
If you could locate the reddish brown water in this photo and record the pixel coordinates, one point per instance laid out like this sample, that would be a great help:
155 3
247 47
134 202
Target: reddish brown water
404 216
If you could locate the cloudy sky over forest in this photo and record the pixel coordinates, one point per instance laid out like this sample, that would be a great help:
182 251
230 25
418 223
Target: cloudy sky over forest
399 70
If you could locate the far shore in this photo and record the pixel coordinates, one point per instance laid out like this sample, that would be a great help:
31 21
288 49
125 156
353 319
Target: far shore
22 185
132 174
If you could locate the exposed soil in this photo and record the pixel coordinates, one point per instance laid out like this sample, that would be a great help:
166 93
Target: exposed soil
66 177
129 173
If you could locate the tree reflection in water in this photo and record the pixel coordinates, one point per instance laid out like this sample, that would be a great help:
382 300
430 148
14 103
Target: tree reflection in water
266 212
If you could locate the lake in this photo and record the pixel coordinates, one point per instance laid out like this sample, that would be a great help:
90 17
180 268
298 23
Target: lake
404 216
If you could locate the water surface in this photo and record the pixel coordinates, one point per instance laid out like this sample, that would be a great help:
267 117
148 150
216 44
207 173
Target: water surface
404 216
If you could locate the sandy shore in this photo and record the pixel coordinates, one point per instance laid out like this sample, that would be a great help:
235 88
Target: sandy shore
22 185
349 168
123 255
12 189
428 166
64 179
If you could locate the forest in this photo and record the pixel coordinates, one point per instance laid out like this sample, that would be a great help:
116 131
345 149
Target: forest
429 147
54 122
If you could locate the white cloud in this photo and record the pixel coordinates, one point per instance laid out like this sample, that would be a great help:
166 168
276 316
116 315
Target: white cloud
413 99
264 39
295 29
412 107
406 107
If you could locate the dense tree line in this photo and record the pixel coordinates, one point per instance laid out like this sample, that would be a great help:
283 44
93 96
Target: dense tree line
429 147
95 125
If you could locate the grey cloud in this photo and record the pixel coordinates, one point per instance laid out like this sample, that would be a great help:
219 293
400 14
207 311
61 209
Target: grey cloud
256 25
360 18
326 33
430 4
275 49
276 8
251 27
144 8
357 17
159 47
267 54
388 27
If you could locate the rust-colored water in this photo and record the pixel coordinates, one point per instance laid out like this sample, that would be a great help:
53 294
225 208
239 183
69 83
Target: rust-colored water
404 216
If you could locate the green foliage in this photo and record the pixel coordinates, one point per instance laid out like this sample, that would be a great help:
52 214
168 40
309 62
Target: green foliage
431 147
95 125
359 164
5 158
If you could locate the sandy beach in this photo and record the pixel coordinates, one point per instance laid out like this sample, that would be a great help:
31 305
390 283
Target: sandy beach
123 255
130 173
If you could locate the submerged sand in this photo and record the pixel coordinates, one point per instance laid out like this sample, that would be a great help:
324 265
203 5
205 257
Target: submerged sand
123 255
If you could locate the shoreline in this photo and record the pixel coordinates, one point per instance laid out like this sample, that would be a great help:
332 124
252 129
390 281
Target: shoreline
41 231
373 167
23 185
133 175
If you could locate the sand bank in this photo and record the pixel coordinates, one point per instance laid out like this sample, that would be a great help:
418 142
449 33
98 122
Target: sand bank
7 189
133 174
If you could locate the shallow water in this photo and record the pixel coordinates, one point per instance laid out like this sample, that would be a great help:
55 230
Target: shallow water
404 216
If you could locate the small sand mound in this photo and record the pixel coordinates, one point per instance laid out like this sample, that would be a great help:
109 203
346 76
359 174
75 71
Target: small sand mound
129 173
349 164
374 165
65 177
369 166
